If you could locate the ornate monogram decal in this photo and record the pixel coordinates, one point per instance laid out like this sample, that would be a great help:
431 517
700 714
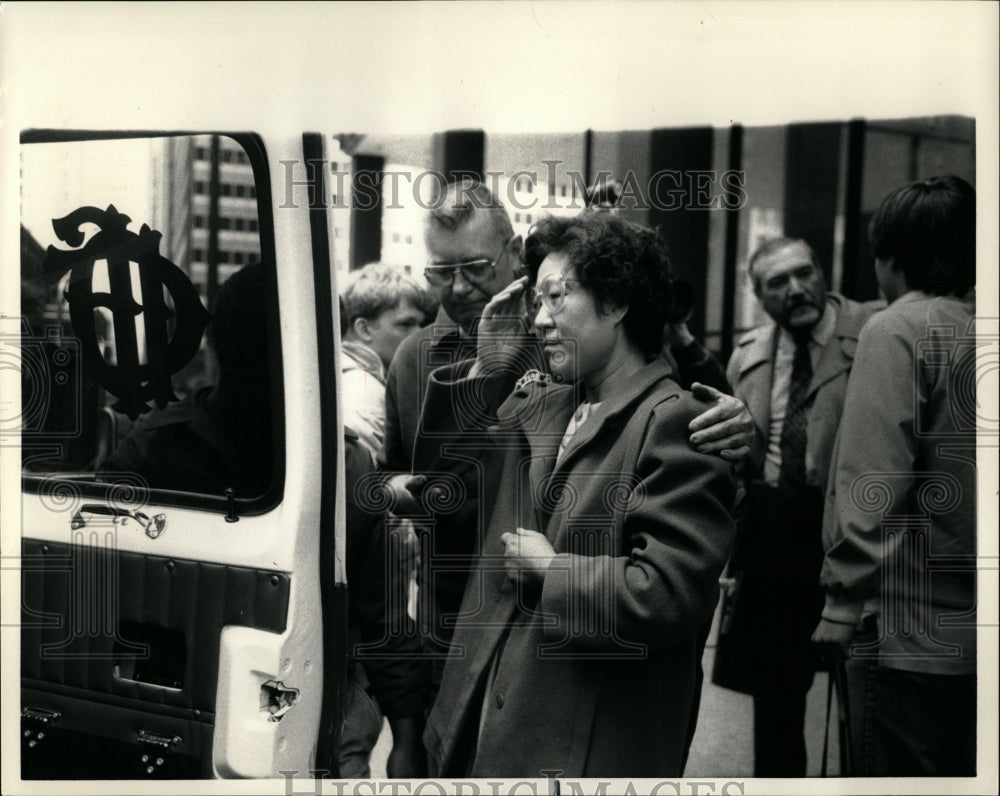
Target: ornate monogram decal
132 382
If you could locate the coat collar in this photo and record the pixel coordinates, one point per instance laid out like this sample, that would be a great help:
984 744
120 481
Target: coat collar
757 348
838 355
541 412
613 412
363 357
759 344
536 406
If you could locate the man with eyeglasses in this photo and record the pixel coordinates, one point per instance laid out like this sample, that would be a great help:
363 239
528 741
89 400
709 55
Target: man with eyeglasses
474 254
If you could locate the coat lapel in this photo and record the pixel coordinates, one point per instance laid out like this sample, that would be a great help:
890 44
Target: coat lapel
753 381
837 358
610 411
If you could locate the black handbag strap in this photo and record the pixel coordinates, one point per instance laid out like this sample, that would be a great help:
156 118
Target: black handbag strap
826 723
839 677
837 681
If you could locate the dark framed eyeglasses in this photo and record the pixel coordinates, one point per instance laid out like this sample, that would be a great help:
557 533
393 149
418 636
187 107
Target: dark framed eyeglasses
475 272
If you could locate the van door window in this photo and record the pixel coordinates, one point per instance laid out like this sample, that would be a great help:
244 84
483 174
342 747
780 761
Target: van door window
149 331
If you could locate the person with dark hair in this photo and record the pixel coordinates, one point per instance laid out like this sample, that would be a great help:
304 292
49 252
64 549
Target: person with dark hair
689 360
792 374
928 232
578 645
902 489
475 256
220 436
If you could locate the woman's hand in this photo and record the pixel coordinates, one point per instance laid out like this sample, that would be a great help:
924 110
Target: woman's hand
527 556
502 329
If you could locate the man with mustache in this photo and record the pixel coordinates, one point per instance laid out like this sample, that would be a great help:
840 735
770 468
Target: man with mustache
792 375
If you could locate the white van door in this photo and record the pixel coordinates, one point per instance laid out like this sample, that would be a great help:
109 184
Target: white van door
181 578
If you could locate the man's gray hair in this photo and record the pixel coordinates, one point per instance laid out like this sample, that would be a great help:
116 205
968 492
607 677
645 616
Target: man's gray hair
463 198
773 245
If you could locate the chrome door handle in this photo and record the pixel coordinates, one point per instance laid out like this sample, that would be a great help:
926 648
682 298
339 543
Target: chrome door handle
153 526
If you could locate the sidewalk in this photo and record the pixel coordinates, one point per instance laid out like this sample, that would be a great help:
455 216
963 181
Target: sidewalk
723 741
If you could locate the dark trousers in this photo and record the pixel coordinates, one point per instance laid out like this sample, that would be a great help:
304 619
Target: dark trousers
780 555
779 710
920 724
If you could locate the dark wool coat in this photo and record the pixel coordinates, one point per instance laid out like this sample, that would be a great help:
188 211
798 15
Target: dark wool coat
596 673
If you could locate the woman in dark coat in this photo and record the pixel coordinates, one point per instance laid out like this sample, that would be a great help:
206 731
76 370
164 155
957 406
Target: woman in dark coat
579 643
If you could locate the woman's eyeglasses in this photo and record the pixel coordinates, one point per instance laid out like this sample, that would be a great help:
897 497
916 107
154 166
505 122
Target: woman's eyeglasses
550 293
475 272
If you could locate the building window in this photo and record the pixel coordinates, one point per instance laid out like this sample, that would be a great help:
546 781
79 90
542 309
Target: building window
241 190
198 255
253 192
252 225
409 239
200 153
199 221
517 218
199 187
227 189
528 218
395 237
562 190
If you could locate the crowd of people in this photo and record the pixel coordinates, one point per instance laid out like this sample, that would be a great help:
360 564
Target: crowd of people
569 477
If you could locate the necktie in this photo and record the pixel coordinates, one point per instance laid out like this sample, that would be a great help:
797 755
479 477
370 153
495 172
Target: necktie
793 432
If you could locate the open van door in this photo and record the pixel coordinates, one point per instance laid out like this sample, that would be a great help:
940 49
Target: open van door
181 556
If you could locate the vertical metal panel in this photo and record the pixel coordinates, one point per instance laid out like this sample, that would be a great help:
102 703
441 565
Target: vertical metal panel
366 209
731 249
460 152
684 150
811 187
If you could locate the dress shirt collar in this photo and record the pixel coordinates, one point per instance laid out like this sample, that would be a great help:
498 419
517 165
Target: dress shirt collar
820 334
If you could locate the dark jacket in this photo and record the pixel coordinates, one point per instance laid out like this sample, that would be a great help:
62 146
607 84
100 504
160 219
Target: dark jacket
596 674
695 363
382 636
454 538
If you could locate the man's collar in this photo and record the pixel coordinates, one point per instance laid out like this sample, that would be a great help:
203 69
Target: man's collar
365 357
444 325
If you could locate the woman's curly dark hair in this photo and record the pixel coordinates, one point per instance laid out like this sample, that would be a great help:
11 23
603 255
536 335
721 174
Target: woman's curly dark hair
619 263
